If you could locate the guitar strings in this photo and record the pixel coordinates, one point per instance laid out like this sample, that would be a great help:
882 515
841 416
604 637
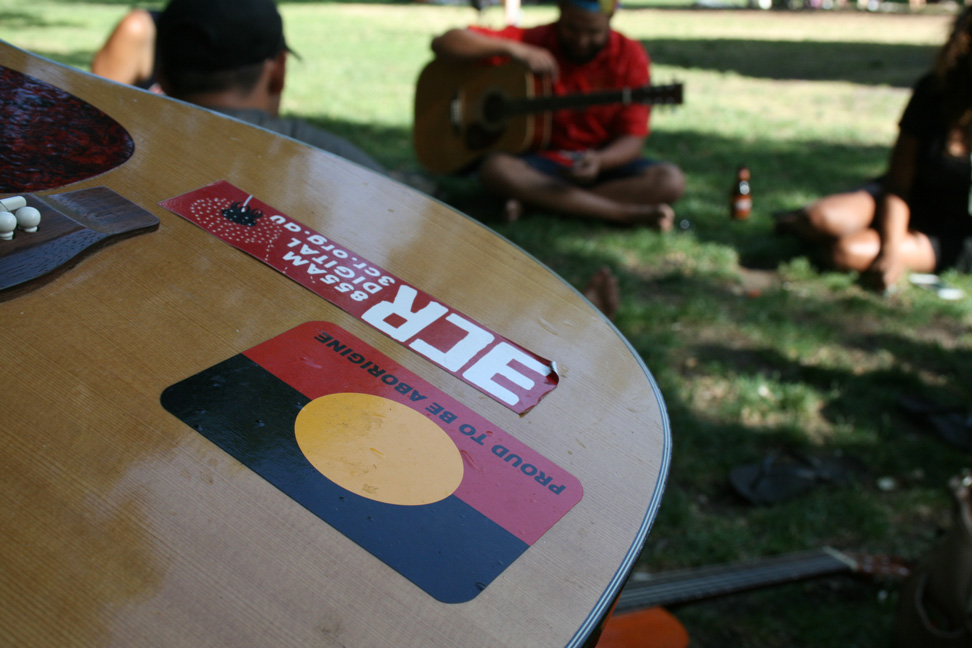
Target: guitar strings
706 582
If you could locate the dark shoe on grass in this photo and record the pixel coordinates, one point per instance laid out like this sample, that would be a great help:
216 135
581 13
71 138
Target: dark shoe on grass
777 479
953 425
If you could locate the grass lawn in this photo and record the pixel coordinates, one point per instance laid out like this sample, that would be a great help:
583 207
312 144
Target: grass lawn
753 347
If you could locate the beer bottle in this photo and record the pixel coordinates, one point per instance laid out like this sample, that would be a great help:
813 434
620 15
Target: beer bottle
740 198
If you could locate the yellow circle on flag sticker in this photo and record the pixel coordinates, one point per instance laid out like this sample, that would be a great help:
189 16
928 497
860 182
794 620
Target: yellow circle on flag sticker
379 449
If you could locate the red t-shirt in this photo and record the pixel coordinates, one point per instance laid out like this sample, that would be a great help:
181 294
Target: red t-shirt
621 63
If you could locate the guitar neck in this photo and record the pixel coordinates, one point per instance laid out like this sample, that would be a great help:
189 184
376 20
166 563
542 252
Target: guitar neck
647 95
708 582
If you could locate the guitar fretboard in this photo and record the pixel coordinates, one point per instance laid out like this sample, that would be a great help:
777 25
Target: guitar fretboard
688 585
670 94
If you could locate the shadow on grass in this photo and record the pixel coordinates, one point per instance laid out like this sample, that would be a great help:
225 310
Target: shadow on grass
22 20
695 331
704 521
159 4
390 145
861 63
781 169
80 59
696 334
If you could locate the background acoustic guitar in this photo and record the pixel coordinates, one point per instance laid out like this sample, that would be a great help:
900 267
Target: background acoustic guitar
639 620
465 110
169 395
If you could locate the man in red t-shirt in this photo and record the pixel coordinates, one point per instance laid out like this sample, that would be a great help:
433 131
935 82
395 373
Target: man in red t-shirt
594 166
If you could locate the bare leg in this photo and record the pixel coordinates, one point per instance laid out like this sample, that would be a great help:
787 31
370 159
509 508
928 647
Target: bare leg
636 200
830 217
602 291
128 56
857 251
512 210
660 183
844 225
848 218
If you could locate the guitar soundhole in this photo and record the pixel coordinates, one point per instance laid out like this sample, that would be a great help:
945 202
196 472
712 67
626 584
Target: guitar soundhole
488 128
479 137
493 114
50 138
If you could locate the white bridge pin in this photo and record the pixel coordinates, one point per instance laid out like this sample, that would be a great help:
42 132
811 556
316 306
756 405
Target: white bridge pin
8 223
28 218
12 203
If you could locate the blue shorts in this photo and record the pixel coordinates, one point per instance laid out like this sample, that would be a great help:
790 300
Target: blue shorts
545 164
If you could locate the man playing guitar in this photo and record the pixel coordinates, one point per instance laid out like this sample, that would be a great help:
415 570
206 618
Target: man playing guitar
593 165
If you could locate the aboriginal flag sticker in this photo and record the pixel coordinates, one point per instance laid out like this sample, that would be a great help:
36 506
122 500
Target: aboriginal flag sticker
424 484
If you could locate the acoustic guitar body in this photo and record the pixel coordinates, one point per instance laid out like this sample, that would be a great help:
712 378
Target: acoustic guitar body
458 118
292 402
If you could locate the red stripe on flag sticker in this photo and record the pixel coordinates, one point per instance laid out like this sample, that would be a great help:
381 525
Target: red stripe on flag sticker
504 371
504 479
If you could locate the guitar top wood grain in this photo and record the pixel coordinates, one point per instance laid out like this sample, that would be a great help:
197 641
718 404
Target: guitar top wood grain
125 525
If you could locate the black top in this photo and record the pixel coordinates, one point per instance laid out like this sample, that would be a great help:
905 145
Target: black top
939 199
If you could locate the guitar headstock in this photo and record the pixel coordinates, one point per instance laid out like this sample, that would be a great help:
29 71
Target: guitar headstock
886 566
659 95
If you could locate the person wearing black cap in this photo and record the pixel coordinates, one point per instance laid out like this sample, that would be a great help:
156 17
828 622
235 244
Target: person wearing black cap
231 56
594 167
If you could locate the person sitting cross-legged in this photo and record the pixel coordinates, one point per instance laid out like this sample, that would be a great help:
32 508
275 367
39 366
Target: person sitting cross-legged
594 166
916 218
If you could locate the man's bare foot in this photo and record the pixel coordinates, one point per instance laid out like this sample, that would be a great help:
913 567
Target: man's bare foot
602 291
789 222
512 210
660 217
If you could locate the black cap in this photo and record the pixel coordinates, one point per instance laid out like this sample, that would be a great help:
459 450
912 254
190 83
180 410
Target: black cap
216 35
